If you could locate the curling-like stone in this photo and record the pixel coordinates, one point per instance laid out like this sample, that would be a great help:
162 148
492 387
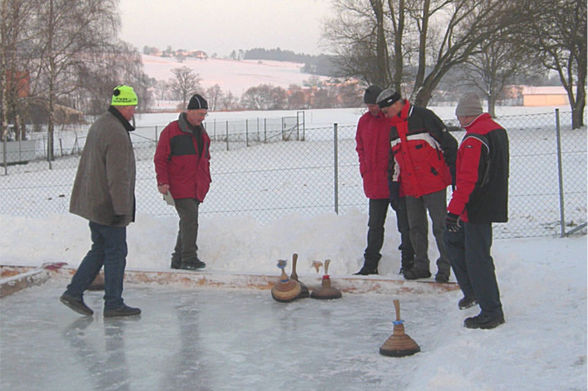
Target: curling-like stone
399 344
285 290
326 291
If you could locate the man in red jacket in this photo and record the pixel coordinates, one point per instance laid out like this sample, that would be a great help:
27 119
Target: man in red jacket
182 165
373 150
480 198
423 157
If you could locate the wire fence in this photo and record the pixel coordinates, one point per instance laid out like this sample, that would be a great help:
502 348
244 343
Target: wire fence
268 172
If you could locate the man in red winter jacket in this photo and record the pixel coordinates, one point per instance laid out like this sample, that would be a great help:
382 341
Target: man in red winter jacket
423 158
182 165
373 150
480 198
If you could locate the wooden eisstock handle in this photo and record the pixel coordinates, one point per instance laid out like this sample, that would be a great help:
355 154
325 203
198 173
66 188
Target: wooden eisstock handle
397 308
327 266
317 265
294 276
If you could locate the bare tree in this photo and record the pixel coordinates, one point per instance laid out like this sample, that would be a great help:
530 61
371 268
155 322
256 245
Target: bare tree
214 95
264 97
229 102
558 33
65 31
492 69
14 78
185 83
429 37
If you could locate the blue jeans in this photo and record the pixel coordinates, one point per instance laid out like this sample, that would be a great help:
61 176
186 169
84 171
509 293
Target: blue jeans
109 249
473 266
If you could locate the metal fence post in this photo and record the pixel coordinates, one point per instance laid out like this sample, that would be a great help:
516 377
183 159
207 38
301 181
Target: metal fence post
227 133
283 130
562 223
246 132
336 167
258 129
4 157
265 130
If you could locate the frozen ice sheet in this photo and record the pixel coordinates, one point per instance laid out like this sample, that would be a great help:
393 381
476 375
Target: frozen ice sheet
208 339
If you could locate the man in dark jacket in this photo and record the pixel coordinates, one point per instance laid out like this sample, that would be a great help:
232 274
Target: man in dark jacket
480 198
182 165
373 150
104 193
422 159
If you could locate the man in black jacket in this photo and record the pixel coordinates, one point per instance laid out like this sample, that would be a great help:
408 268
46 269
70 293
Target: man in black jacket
480 198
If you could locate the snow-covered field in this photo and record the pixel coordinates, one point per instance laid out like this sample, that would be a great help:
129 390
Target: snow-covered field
230 75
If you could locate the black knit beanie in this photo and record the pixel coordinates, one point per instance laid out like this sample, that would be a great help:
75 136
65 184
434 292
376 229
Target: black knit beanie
371 94
387 98
197 102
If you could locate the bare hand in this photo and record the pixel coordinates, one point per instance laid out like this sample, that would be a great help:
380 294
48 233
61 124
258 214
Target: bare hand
163 189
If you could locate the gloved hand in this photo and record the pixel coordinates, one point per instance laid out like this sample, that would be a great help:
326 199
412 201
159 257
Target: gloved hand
118 220
452 222
394 188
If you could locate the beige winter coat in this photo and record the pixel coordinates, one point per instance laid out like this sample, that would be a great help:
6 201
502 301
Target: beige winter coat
105 181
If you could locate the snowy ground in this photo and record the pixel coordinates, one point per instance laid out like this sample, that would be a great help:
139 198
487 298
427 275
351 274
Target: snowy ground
208 339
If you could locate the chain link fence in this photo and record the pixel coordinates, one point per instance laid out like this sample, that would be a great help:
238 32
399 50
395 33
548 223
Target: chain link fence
268 169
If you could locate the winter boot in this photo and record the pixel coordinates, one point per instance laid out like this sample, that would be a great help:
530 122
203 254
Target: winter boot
76 304
196 264
123 310
442 277
414 273
484 321
364 271
176 261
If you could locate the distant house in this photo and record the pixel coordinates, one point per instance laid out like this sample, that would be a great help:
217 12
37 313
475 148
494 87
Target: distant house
545 96
199 54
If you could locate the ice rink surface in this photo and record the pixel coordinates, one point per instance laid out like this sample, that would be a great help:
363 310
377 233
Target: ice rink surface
208 339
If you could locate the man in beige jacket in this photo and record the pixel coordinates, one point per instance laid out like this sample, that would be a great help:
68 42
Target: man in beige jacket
103 193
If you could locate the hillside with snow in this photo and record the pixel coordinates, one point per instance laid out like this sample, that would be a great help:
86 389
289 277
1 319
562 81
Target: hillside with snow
231 75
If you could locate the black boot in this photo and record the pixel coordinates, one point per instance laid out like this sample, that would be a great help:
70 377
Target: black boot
196 264
414 273
76 304
123 310
176 261
365 270
442 277
484 321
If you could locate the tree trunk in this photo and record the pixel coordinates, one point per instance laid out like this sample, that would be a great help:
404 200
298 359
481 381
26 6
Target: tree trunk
578 107
381 45
492 105
398 57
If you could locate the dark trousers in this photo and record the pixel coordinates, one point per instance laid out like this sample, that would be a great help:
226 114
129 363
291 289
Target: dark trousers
469 252
378 209
435 204
402 224
186 248
109 249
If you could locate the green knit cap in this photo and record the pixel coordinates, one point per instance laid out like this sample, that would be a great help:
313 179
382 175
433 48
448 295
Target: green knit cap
124 96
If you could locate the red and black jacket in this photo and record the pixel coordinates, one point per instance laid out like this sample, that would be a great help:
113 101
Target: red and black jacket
423 152
182 160
481 192
373 150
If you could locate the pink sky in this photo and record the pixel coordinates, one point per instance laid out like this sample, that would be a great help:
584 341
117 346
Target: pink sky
221 26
